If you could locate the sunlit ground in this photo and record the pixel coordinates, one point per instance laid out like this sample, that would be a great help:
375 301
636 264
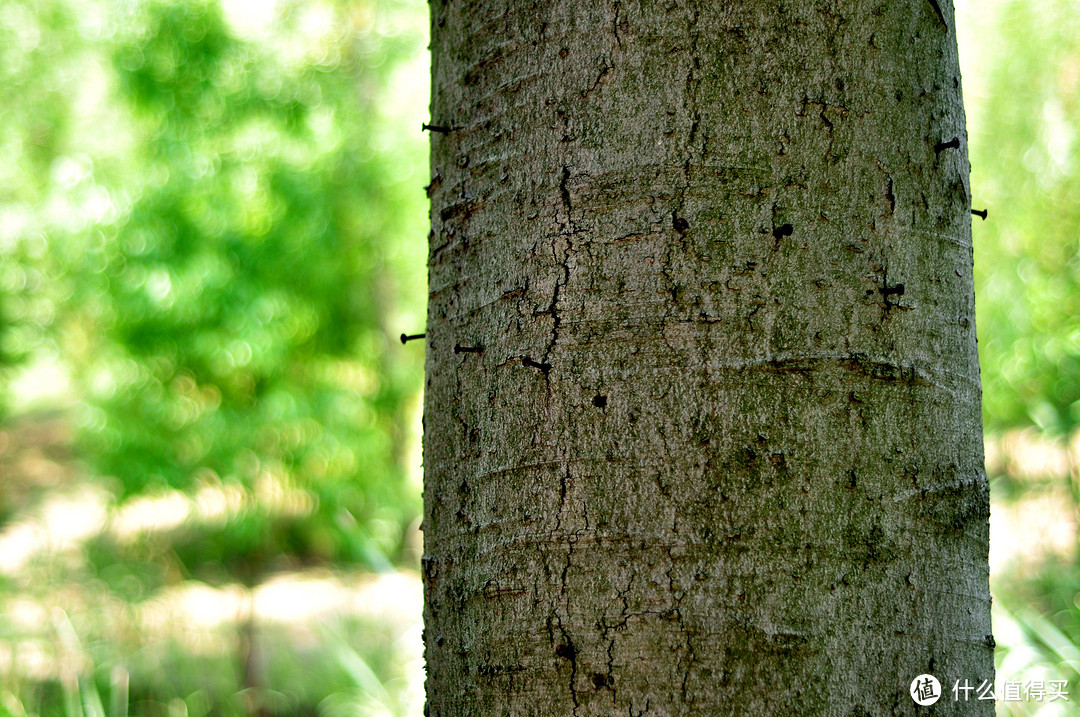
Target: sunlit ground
351 638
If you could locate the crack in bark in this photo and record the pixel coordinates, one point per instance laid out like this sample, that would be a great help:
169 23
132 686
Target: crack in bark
691 83
940 14
758 305
692 110
566 648
606 680
679 223
605 70
676 612
691 655
841 110
562 499
615 23
890 189
570 229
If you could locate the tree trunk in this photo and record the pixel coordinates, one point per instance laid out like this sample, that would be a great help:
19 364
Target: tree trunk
702 418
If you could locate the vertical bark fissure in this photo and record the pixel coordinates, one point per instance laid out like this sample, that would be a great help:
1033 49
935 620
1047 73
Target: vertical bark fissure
566 648
564 263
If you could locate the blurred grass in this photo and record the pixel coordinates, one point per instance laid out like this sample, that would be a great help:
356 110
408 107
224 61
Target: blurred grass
82 634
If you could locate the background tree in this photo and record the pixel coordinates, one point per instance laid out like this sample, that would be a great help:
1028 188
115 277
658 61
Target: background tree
702 413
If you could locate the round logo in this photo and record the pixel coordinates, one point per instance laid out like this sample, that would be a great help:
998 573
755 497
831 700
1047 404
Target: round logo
925 690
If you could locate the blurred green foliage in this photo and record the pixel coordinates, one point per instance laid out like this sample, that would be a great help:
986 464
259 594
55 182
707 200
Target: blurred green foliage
35 120
219 236
1025 161
1022 91
211 234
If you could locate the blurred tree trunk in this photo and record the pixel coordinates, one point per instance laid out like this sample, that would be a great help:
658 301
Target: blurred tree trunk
703 409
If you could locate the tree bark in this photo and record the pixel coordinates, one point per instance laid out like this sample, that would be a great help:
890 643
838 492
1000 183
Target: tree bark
702 417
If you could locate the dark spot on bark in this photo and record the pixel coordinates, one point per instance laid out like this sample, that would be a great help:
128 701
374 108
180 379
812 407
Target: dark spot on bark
543 366
459 211
680 224
867 546
991 642
953 143
563 53
953 506
427 564
839 84
566 651
887 291
779 464
783 231
852 480
601 680
599 401
499 670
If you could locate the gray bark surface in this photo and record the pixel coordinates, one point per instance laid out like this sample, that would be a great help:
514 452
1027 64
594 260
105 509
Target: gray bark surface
702 413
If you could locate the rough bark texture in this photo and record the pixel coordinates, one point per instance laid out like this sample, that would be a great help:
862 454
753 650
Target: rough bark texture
702 419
